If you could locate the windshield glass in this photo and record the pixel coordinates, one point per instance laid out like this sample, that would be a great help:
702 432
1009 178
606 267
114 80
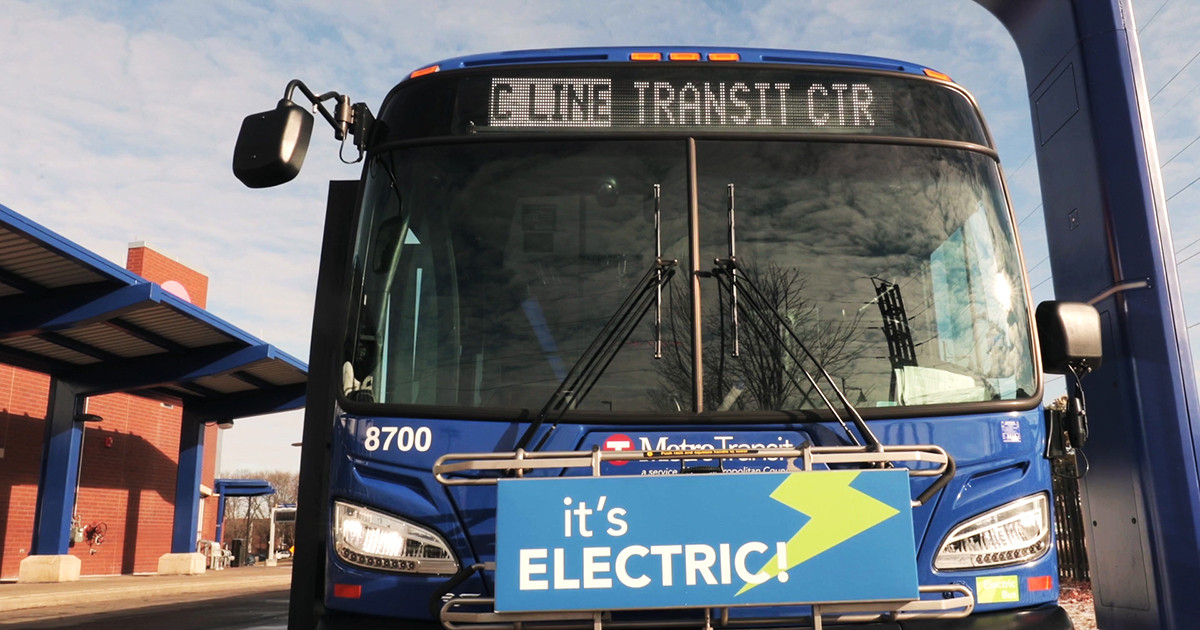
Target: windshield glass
895 265
487 269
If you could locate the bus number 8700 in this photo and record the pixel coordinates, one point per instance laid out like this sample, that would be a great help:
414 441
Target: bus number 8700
405 438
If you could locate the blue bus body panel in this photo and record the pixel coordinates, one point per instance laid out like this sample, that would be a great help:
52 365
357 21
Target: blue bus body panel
621 53
999 459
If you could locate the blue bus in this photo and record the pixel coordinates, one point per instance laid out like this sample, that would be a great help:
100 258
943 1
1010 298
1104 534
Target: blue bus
649 337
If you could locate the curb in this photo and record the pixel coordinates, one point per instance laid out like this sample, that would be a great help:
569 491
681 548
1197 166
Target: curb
210 590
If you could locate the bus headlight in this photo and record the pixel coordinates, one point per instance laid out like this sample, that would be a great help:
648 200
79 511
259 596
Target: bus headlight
373 540
1013 533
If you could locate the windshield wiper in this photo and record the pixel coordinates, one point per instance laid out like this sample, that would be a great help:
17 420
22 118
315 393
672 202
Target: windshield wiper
769 321
772 321
590 366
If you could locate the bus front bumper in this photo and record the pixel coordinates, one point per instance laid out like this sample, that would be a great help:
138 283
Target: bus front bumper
1049 617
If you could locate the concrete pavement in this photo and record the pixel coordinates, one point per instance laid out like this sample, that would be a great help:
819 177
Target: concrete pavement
132 591
265 610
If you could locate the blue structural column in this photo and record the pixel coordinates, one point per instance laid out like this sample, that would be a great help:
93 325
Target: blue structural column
187 484
1110 244
59 472
221 518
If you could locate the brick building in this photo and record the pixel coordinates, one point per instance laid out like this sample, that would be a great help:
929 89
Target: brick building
129 461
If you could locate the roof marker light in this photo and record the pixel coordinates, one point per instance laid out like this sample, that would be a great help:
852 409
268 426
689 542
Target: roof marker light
424 71
724 57
684 56
938 75
645 56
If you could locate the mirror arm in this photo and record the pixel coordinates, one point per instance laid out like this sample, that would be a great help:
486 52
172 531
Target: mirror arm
354 119
339 131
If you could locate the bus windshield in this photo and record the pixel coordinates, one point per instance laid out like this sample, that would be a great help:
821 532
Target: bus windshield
488 268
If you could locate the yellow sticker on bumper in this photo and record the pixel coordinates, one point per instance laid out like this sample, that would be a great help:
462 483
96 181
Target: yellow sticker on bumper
996 589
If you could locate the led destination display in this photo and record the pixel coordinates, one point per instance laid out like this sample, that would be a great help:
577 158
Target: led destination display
627 98
626 103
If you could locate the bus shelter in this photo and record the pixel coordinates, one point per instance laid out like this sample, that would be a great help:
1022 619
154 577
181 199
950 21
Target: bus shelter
96 328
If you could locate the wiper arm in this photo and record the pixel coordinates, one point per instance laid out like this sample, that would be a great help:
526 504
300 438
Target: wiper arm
771 321
590 366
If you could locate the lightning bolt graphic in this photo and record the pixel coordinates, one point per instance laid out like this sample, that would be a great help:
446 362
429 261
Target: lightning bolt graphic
836 514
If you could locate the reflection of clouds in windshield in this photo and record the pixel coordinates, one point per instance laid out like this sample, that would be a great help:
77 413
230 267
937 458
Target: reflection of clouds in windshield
522 253
841 215
544 242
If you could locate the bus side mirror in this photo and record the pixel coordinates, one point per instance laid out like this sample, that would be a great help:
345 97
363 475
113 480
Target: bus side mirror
1069 333
271 145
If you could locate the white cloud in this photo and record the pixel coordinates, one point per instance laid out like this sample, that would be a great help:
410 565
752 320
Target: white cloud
120 119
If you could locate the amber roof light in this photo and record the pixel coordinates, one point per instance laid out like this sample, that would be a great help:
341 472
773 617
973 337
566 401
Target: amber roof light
645 56
684 56
938 75
424 71
724 57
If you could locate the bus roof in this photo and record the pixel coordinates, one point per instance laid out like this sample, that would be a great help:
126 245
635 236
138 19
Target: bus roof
623 53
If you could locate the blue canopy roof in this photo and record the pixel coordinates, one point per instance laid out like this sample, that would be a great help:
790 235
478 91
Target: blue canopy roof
70 313
243 487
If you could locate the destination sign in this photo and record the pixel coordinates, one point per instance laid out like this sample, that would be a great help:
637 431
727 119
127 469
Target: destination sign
840 104
598 99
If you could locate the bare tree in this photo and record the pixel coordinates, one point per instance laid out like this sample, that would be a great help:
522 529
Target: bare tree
250 518
764 375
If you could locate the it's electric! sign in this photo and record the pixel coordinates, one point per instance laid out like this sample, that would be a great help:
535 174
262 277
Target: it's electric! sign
604 543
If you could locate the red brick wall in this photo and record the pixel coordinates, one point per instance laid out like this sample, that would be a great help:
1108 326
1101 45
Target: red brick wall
129 460
22 425
156 267
129 485
127 481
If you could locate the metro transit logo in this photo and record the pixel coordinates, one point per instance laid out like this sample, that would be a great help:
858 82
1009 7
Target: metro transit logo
596 543
618 442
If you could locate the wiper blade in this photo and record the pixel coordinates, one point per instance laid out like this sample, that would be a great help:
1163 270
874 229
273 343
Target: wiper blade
771 321
590 366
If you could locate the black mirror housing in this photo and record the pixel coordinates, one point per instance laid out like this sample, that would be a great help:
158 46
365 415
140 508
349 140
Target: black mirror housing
1070 336
271 145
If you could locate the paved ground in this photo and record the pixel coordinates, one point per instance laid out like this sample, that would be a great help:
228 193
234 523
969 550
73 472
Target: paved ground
253 598
1077 600
248 598
261 611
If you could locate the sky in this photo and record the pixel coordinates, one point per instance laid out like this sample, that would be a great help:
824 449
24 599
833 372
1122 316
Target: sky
121 117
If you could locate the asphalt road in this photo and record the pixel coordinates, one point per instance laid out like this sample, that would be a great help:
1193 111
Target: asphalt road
261 611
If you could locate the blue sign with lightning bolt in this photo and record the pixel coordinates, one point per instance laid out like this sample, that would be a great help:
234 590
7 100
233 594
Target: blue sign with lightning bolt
608 543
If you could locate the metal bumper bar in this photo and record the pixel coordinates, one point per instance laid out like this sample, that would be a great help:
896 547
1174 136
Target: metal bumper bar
457 469
477 613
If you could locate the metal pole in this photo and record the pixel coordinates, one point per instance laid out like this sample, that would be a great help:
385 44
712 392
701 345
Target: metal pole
249 524
694 254
657 274
733 290
271 561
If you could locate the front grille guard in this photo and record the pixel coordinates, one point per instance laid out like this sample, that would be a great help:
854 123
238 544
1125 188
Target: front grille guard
449 468
457 612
